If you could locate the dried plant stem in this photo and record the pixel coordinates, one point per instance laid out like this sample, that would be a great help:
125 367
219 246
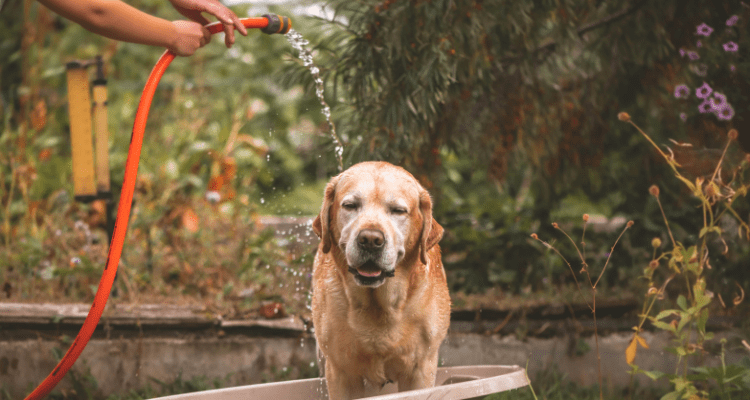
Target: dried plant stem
666 222
742 223
583 260
592 306
583 235
578 284
718 165
6 228
650 140
526 373
596 340
611 250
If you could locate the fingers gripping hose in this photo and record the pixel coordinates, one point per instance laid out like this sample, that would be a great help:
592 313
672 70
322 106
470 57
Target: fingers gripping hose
268 24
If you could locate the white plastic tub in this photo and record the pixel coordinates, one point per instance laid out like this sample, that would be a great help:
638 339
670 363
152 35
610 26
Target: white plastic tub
451 383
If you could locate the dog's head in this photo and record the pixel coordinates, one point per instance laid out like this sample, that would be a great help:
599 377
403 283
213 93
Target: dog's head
376 214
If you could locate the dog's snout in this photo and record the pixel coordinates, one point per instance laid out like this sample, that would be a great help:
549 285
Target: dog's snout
371 239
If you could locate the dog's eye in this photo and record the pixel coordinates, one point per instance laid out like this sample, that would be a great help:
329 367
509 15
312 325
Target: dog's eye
398 210
350 206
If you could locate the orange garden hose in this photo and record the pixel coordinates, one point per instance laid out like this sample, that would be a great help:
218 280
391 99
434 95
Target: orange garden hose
268 24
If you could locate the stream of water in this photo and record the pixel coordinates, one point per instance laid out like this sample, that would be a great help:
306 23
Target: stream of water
300 44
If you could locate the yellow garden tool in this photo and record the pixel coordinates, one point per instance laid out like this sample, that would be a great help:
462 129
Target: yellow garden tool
82 148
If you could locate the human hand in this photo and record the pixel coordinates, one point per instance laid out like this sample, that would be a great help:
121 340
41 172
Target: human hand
190 37
193 9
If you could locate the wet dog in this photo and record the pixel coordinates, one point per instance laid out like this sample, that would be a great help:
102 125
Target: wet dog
380 301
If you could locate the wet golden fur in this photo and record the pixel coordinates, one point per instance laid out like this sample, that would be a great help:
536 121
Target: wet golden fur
389 331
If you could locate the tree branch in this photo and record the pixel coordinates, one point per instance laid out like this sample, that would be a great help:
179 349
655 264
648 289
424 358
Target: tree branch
610 18
551 45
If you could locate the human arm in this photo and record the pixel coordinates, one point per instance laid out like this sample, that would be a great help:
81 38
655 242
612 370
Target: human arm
117 20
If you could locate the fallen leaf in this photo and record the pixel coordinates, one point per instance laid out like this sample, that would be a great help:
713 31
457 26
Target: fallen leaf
631 350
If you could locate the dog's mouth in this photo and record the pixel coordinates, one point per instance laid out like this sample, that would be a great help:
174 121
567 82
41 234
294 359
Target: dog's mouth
370 274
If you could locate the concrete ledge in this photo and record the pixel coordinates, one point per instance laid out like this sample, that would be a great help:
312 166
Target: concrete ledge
134 345
121 365
148 316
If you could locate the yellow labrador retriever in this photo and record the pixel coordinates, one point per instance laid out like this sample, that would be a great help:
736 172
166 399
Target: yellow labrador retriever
380 301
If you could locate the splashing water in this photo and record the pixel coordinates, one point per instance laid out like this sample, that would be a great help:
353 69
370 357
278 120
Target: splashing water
300 44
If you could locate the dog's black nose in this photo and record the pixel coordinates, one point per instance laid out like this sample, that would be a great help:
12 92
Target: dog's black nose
370 239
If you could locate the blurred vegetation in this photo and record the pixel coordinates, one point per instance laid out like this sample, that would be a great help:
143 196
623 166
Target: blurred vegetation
221 128
504 110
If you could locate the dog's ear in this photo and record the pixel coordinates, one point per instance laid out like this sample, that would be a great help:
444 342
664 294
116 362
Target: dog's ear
432 232
322 223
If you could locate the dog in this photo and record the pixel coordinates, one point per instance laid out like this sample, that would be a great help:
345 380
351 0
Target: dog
380 303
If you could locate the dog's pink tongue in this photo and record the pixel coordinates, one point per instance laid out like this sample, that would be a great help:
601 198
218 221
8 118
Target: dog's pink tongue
368 273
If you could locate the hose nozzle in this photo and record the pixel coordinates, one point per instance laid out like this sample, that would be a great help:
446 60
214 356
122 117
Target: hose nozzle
277 24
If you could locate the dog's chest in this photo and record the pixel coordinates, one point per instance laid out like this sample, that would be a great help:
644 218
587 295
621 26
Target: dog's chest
390 336
386 355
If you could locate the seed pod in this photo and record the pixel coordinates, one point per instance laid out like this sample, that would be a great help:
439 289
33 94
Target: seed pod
656 242
585 218
732 134
654 190
623 116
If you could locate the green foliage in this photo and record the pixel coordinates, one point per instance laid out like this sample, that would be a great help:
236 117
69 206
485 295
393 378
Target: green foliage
687 322
220 122
729 381
526 92
486 231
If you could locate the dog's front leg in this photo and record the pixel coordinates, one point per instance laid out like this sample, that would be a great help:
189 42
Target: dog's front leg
343 385
423 376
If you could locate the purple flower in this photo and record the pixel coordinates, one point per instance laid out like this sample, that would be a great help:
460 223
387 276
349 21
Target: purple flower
732 20
732 68
681 91
704 107
725 113
682 52
683 117
730 46
704 91
693 55
704 30
718 101
698 44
